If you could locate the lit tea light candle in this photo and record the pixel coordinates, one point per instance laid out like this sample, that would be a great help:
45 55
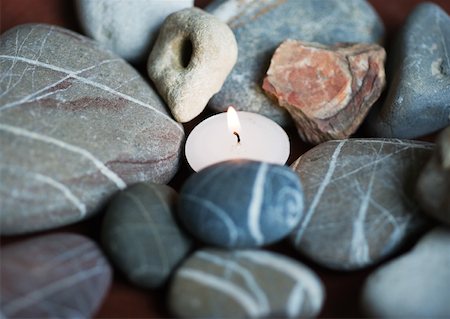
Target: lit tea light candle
236 135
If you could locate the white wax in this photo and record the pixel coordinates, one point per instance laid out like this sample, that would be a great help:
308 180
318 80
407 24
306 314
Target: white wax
211 141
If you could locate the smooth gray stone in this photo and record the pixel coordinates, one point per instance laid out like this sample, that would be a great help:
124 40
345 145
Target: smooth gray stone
216 283
418 71
415 285
359 200
127 27
241 203
141 236
433 187
261 26
53 276
77 123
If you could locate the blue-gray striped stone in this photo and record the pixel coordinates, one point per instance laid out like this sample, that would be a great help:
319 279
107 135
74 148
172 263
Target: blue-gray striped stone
418 72
261 26
53 276
215 283
241 203
77 124
141 235
359 200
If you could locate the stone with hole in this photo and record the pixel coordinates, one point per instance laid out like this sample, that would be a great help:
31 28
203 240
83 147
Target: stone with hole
192 57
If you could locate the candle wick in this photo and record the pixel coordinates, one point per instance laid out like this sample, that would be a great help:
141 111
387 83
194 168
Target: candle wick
238 137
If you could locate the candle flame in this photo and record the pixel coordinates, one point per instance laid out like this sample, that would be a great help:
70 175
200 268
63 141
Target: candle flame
233 120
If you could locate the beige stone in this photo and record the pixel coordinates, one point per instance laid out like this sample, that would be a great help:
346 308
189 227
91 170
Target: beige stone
192 57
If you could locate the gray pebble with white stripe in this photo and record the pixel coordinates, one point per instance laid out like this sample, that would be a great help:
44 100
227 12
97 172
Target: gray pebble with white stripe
217 283
241 203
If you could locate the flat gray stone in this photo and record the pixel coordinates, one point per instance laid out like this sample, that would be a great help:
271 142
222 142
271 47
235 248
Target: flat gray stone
141 235
433 187
244 284
261 26
127 27
241 203
415 285
53 276
359 200
77 123
418 99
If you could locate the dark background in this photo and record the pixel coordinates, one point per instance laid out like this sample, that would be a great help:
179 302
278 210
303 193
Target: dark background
124 300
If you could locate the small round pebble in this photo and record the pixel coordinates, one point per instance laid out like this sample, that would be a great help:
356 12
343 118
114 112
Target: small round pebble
141 235
241 203
216 283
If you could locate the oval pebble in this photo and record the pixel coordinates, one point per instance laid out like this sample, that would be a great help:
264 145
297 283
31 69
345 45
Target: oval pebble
415 285
77 124
53 276
241 203
359 200
141 235
216 283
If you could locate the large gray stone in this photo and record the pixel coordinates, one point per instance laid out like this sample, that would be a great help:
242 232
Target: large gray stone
141 235
53 276
359 200
244 284
261 26
418 71
433 186
128 27
415 285
77 123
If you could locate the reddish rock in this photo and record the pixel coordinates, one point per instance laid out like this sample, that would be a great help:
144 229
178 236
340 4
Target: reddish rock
53 276
328 90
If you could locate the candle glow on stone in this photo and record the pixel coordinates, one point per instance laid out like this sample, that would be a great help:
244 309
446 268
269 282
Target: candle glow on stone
236 135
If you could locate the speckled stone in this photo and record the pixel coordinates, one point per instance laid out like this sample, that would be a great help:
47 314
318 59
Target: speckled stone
241 203
415 285
192 57
141 236
260 27
244 284
418 70
328 90
359 200
127 27
53 276
433 187
77 123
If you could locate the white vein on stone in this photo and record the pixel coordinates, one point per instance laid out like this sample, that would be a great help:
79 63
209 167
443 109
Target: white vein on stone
112 176
297 271
94 84
34 296
221 214
310 212
254 210
249 279
295 300
227 288
359 248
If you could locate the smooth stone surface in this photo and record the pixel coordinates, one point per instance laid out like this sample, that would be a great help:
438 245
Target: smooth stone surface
433 187
241 203
359 200
418 99
127 27
327 90
77 123
141 236
53 276
260 27
244 284
192 57
415 285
